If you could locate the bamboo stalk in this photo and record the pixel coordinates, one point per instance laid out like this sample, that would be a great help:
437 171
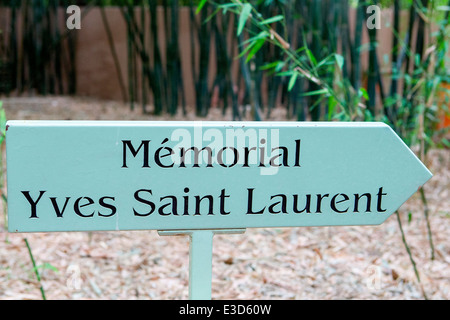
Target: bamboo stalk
391 111
204 42
291 26
316 17
37 66
420 40
256 78
344 33
220 81
145 62
408 54
72 40
173 70
408 250
302 110
372 67
130 56
57 48
27 52
356 54
394 58
228 23
13 54
273 83
202 92
158 78
35 269
427 218
114 53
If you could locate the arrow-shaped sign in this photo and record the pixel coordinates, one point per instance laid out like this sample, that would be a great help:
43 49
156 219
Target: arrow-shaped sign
87 175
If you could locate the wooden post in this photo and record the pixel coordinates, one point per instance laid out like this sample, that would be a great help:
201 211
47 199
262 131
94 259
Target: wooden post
200 259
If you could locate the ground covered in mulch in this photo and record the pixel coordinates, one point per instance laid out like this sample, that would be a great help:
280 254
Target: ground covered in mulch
281 263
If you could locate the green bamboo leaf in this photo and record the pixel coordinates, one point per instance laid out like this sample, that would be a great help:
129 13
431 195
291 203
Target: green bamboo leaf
200 6
318 102
325 61
227 6
316 92
261 35
417 59
332 103
446 142
363 93
339 60
212 15
254 44
245 13
277 66
272 20
292 81
428 139
247 49
2 123
268 66
285 73
311 57
46 265
255 48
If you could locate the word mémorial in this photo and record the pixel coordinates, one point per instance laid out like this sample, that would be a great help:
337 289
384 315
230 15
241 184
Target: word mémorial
164 156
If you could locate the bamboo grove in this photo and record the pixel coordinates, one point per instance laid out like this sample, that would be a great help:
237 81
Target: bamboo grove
317 59
37 54
45 62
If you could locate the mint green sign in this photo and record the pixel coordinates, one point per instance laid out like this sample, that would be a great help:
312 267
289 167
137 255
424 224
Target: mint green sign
86 175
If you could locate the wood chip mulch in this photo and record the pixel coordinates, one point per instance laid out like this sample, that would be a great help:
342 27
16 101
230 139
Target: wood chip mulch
281 263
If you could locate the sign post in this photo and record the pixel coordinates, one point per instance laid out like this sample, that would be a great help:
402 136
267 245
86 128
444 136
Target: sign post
200 259
204 178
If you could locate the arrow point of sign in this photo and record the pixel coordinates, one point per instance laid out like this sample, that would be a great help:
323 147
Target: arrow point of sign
408 173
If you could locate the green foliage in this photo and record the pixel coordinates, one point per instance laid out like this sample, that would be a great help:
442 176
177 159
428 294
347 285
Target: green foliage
334 81
412 109
243 17
307 52
2 125
35 269
323 71
2 174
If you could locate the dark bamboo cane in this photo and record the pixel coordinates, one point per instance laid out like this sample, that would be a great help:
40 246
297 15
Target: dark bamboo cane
158 78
